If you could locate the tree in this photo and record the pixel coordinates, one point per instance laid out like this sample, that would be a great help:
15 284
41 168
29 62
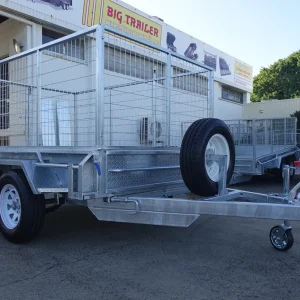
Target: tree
279 81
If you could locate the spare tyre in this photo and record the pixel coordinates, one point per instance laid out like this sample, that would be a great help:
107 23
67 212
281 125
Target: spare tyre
204 137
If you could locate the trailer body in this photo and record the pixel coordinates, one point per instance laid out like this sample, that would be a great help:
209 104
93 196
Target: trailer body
97 118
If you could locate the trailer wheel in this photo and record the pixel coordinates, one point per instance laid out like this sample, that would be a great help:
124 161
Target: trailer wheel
52 209
281 239
21 212
204 137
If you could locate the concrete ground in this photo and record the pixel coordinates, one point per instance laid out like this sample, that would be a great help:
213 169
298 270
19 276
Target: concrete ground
78 257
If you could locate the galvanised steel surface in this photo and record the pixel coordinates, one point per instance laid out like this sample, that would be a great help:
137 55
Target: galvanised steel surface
99 116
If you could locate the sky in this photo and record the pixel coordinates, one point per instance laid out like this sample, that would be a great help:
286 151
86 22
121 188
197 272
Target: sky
258 32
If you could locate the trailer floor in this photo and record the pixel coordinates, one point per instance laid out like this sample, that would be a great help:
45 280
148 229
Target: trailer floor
77 257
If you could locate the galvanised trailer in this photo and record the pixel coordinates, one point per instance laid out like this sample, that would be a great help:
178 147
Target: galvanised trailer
98 118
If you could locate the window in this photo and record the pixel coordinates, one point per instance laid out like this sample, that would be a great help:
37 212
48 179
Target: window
4 96
49 35
73 48
4 141
232 95
132 64
194 83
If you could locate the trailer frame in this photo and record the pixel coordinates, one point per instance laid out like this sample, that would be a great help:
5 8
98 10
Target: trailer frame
129 183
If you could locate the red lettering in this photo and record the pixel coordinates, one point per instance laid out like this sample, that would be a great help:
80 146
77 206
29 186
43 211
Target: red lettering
110 11
113 13
151 30
156 32
127 19
119 17
142 26
146 30
132 22
138 24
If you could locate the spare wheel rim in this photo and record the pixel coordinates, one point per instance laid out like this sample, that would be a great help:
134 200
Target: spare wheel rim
217 145
10 206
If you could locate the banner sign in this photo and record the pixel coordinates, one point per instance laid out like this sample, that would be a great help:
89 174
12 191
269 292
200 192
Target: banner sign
119 15
112 14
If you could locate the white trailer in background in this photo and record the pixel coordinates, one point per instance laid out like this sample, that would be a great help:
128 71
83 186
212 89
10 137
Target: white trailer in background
107 128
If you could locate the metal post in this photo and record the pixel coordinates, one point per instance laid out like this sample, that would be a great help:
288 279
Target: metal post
239 133
76 120
99 115
80 182
254 145
296 135
56 125
211 94
110 119
27 114
266 132
39 97
285 133
168 83
286 179
272 148
70 181
222 190
154 108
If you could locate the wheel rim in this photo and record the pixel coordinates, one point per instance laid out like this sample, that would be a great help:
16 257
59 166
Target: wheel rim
10 206
278 240
217 145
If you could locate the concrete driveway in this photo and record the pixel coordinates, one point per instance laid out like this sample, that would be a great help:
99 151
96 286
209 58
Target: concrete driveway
77 257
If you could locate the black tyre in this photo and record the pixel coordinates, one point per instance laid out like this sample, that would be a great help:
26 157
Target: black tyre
205 136
21 212
52 209
281 239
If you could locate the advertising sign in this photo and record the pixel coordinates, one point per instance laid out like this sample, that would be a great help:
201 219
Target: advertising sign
243 70
226 68
243 75
91 14
115 15
129 20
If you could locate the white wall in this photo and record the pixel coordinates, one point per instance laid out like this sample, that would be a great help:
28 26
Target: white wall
271 109
223 109
70 75
9 30
60 74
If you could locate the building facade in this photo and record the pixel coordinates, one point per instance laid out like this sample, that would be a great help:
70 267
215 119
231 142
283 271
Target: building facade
26 24
271 109
32 23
